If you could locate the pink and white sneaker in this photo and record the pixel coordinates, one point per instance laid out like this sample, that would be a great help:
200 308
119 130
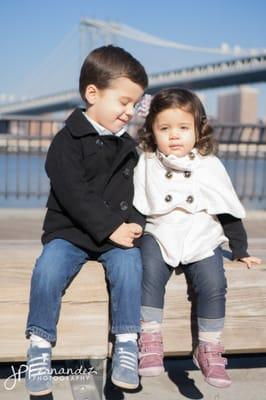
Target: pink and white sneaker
150 354
208 358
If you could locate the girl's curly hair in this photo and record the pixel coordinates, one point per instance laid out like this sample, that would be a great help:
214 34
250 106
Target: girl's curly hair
187 101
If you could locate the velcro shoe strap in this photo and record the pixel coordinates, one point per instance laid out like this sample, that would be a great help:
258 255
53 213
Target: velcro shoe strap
216 361
150 338
213 348
152 348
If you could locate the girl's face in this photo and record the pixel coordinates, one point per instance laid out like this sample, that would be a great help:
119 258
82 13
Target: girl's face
174 132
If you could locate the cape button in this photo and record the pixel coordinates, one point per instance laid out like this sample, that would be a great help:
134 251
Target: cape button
169 174
190 199
187 174
191 155
168 198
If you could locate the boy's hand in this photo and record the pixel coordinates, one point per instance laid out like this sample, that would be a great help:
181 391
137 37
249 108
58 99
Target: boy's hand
126 233
250 261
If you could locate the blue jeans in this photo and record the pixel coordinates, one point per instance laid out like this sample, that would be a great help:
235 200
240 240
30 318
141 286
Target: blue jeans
59 262
206 277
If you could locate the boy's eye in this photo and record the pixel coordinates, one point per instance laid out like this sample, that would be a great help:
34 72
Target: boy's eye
124 101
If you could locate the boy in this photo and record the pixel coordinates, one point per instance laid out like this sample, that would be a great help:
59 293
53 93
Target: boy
90 215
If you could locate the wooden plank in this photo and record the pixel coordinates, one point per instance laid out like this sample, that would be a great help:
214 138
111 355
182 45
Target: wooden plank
82 331
83 326
84 321
241 335
246 293
88 285
245 323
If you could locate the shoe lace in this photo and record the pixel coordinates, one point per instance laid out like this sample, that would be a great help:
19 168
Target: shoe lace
127 359
38 366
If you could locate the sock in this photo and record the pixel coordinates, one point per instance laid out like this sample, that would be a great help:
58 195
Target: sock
125 337
151 326
151 314
39 342
213 337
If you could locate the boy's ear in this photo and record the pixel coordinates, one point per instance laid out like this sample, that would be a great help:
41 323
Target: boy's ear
91 94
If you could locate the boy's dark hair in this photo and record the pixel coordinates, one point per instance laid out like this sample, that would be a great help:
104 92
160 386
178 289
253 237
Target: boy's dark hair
187 101
110 62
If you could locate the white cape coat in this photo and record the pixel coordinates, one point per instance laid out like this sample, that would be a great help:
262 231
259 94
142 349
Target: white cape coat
181 210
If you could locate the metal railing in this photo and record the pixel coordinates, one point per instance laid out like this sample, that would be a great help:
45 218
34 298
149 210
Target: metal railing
24 144
242 148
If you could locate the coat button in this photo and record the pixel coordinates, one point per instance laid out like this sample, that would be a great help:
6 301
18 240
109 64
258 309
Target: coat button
106 203
126 172
123 205
169 174
168 198
191 155
99 142
187 174
190 199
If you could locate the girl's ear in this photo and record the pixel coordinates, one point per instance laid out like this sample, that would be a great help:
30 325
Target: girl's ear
91 94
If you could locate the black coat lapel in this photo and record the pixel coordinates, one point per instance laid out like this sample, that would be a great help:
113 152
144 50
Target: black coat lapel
128 146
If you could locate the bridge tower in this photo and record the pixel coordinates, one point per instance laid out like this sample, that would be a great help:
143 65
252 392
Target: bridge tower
93 34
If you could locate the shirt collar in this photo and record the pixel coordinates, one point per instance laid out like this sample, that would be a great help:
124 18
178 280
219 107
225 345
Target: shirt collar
101 130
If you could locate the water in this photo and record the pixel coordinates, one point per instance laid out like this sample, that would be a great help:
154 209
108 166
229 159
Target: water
24 179
249 180
23 182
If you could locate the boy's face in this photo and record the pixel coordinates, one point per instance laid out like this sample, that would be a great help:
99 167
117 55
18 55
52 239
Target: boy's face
113 107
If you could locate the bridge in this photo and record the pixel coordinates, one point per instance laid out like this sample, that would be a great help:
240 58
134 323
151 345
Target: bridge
250 69
247 66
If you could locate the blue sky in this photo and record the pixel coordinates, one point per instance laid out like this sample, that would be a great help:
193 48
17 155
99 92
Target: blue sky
34 60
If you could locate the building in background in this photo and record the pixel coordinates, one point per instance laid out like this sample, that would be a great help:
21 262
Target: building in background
239 106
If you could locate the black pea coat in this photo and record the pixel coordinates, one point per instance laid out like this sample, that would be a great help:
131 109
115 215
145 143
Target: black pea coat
91 180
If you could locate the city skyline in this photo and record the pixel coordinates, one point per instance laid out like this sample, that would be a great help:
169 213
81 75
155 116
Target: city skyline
238 106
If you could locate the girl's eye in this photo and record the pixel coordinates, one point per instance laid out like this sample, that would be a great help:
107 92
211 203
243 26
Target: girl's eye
184 128
164 128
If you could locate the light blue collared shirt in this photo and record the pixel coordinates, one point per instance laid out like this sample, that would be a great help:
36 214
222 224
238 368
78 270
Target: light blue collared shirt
101 130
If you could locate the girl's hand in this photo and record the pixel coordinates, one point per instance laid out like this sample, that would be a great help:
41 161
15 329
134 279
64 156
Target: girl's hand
250 261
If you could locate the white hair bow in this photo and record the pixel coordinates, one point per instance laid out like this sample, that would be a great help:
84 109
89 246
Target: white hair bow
143 106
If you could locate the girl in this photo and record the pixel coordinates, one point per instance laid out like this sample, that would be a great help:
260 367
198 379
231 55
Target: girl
191 209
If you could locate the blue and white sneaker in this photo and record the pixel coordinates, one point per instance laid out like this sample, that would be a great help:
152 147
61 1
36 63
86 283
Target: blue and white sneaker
38 378
125 365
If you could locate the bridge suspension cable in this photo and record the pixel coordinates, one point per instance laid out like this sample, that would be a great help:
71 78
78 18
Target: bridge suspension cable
143 37
44 72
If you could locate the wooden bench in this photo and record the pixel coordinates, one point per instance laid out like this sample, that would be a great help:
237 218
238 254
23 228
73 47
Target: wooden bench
84 321
245 322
